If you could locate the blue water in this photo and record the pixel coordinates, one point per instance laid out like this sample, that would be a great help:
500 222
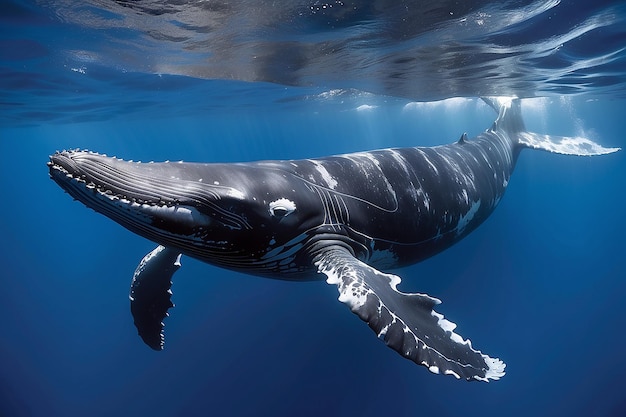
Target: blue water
539 285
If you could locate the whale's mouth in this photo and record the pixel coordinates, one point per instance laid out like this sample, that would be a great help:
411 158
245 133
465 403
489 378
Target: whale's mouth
146 183
93 171
155 200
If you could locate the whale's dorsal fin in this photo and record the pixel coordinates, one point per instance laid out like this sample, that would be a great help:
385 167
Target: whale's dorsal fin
406 322
150 294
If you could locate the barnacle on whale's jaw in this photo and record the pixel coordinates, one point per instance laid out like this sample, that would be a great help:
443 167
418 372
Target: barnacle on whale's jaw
116 178
156 200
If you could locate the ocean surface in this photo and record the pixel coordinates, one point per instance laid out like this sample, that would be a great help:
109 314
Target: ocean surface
540 284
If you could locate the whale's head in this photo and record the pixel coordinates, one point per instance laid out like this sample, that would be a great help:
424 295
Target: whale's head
251 217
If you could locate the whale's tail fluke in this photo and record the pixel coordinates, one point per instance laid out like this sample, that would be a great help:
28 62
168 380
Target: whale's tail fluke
510 122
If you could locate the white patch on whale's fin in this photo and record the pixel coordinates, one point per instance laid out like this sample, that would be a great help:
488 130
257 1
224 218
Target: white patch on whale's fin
150 294
510 121
563 144
407 323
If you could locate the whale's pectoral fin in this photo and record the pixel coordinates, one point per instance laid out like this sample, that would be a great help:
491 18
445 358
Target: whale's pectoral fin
150 294
406 322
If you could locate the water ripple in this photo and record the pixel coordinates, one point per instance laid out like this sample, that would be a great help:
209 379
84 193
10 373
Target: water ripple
418 50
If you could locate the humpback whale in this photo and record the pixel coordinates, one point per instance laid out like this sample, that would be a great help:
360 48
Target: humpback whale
348 219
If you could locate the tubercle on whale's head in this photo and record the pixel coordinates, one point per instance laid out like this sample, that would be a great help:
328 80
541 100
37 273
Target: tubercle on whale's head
232 215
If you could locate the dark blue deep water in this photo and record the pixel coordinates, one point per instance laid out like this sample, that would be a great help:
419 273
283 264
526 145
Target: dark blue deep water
540 284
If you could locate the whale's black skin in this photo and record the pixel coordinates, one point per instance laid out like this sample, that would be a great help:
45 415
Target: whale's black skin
342 217
391 207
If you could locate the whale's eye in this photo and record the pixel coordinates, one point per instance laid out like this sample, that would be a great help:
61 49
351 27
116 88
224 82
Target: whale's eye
282 207
279 211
